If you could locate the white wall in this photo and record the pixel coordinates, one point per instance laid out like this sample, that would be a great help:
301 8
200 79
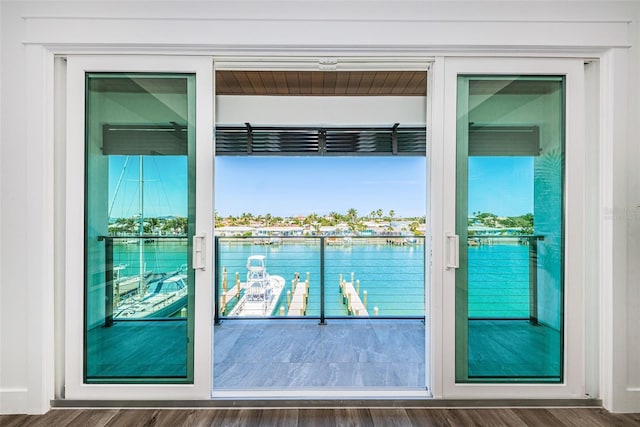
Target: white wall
31 32
319 110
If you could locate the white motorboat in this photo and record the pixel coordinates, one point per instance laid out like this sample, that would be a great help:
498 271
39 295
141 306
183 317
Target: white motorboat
261 291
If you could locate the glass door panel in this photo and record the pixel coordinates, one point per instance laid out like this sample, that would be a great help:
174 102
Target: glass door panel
510 181
139 220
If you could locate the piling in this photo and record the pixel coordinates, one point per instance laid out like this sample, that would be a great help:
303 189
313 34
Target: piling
224 279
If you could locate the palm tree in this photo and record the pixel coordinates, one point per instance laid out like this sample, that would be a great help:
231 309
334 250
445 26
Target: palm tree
379 212
311 219
246 218
352 214
335 217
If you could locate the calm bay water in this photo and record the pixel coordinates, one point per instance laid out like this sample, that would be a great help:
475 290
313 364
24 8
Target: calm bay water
393 276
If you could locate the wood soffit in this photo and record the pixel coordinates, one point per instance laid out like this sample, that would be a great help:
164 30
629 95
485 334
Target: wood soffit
322 83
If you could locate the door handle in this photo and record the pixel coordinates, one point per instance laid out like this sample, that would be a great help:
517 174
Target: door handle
452 248
199 251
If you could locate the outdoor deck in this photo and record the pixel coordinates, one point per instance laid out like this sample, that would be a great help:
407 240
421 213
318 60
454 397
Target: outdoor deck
301 353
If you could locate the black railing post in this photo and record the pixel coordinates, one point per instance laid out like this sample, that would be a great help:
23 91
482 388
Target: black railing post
533 280
322 317
108 282
216 270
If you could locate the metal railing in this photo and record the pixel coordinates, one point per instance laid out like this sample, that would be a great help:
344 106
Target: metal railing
502 276
321 277
134 263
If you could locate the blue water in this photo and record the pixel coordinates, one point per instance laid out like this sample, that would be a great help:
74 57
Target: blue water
160 256
393 276
498 281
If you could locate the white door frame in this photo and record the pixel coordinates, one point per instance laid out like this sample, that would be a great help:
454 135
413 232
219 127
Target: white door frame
77 66
441 152
573 385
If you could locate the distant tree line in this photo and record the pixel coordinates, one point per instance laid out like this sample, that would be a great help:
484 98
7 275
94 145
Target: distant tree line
351 218
522 222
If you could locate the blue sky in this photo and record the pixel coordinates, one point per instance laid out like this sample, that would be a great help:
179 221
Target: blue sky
165 186
288 186
501 185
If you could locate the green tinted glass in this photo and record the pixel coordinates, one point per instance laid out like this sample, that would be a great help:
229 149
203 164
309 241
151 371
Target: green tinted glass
139 218
509 288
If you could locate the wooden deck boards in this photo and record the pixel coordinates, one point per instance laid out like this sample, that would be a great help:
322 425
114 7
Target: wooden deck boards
351 297
298 305
422 417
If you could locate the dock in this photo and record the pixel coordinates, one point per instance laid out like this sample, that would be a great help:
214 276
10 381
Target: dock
351 297
229 294
297 300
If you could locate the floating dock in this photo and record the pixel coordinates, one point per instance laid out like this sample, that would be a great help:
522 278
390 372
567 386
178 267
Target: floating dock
351 297
297 300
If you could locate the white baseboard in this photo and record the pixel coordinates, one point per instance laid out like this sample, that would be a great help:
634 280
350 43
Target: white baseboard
14 401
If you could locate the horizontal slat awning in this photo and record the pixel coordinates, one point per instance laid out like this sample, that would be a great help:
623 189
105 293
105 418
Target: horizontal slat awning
505 140
298 140
171 139
168 139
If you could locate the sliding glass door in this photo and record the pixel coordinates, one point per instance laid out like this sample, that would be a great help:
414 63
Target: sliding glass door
140 195
510 277
136 317
510 181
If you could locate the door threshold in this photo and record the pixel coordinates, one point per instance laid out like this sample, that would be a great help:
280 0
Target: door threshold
329 402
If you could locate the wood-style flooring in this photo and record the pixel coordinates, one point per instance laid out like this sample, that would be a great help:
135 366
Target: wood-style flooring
547 417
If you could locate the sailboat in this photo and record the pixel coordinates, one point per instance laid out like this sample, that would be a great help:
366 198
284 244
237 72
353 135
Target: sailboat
148 295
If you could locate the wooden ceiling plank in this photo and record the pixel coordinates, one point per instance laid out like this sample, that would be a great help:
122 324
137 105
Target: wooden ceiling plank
418 84
342 81
317 82
243 82
236 84
364 87
293 82
256 82
280 80
330 78
389 83
354 82
269 83
401 84
304 78
378 82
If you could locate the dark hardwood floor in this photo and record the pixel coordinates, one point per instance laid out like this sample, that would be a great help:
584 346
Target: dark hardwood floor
422 417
